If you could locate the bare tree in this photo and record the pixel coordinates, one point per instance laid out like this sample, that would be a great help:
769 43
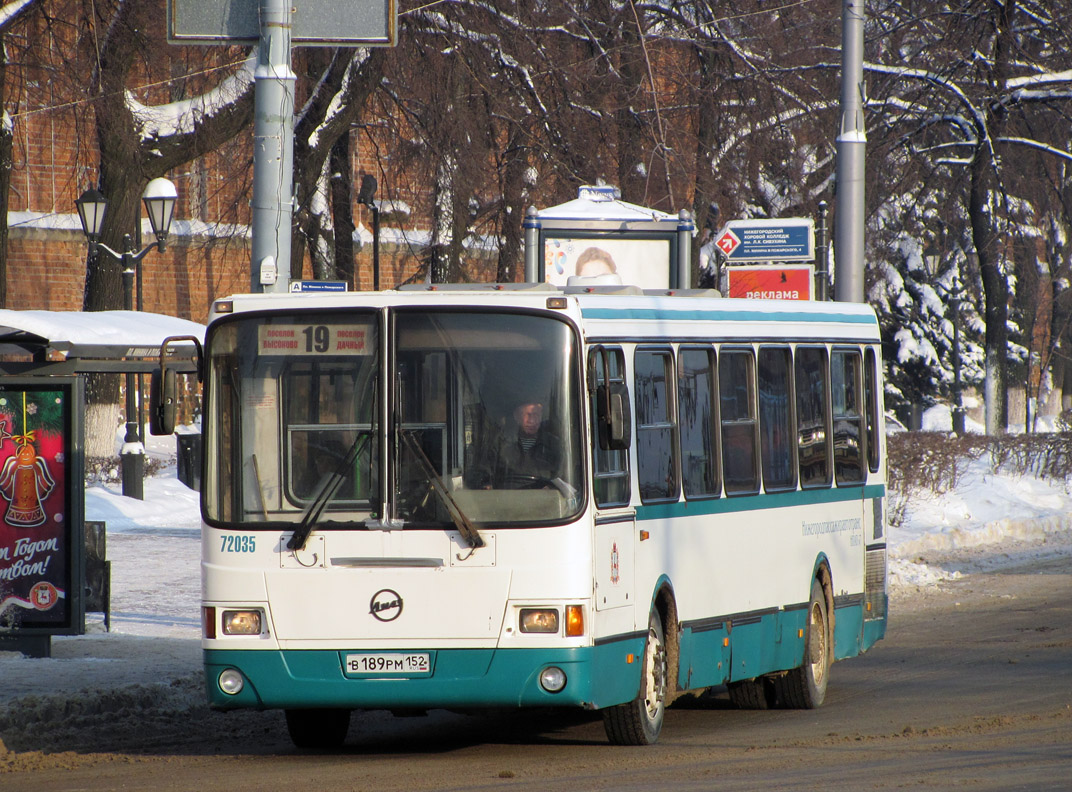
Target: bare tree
983 86
10 16
138 142
337 83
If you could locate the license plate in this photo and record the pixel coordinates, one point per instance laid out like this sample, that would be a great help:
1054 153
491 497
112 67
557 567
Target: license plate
389 663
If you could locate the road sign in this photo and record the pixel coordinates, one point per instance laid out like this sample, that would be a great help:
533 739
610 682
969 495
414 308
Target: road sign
785 239
791 282
326 23
728 242
305 286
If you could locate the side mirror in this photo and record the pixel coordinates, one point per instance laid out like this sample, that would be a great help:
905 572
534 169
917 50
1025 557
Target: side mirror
163 401
613 416
164 388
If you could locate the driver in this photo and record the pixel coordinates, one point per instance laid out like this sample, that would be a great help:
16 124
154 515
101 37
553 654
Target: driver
528 457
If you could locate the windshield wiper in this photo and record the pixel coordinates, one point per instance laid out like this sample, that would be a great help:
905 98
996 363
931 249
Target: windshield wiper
327 492
457 516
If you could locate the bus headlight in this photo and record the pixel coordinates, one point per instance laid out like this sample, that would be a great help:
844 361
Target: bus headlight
242 622
231 682
539 620
552 679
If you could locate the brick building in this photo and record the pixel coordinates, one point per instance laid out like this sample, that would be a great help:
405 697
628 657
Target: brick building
208 253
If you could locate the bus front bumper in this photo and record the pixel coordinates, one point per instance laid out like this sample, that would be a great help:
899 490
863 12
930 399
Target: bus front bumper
595 677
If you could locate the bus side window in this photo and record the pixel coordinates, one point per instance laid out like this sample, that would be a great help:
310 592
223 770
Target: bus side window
698 422
874 410
610 469
775 418
813 422
848 419
653 374
737 408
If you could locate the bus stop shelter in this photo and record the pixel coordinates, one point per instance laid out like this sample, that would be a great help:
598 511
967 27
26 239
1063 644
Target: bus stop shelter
44 357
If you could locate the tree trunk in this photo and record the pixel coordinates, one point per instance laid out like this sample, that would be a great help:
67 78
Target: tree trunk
442 220
6 160
995 296
342 208
711 66
514 200
633 132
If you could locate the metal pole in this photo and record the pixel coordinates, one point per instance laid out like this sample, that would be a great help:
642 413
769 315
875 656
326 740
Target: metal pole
273 152
685 227
958 406
375 247
851 152
532 241
132 456
822 254
139 303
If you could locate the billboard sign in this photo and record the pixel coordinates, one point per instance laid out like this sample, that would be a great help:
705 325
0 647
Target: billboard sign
791 282
636 261
41 494
787 239
328 23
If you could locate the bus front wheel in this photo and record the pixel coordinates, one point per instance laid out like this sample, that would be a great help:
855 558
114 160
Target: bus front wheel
804 687
638 722
318 729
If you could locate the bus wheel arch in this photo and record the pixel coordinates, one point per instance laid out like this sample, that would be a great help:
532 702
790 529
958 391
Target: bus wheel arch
804 687
826 580
639 722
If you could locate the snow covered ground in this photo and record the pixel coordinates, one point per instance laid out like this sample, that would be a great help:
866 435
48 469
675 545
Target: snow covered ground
990 521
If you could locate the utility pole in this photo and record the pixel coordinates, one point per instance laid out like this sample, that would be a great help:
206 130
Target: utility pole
851 153
273 152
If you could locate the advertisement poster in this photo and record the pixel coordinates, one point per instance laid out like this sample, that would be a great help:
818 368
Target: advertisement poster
771 283
37 536
638 262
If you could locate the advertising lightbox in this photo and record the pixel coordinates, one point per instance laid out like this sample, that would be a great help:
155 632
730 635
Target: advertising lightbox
41 529
778 282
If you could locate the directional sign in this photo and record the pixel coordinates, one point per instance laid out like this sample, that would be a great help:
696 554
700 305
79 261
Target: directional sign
317 286
785 239
728 242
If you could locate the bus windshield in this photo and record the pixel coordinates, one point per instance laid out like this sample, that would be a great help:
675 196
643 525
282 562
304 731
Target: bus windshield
470 412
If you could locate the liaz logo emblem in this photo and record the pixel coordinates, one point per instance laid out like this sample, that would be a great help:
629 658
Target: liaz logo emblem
386 605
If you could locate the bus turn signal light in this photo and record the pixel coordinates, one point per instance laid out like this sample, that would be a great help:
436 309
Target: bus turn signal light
574 620
208 622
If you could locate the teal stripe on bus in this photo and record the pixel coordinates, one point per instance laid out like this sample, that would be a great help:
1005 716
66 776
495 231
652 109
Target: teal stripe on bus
747 503
727 315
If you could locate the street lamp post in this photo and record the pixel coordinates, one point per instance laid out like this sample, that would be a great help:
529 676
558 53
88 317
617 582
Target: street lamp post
159 198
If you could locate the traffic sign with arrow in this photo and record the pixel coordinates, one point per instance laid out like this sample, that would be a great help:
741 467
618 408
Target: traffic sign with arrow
779 239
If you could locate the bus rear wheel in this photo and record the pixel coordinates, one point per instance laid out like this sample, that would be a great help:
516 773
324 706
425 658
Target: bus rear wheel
318 729
750 694
804 687
638 722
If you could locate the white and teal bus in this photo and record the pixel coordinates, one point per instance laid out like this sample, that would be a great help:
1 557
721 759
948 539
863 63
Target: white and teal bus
692 498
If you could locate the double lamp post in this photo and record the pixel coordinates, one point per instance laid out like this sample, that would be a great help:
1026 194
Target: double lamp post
159 198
